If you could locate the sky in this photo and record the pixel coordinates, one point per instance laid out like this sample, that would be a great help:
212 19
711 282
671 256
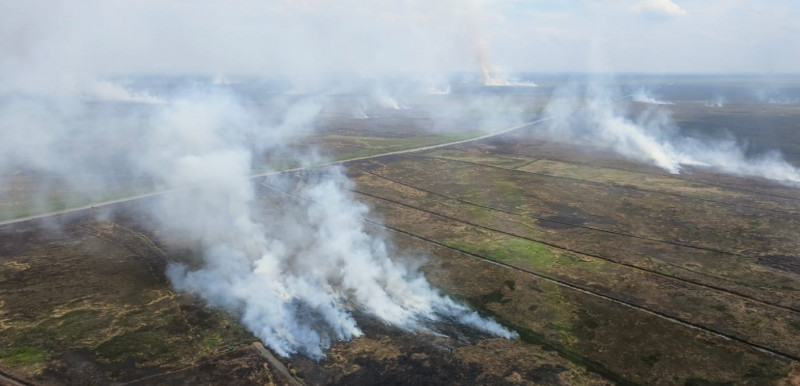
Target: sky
659 36
41 41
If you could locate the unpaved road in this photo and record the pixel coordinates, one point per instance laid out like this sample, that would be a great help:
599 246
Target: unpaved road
162 192
10 381
277 364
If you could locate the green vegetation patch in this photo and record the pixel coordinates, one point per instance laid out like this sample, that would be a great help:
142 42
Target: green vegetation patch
76 326
523 253
347 147
616 177
481 157
23 356
211 342
150 345
513 250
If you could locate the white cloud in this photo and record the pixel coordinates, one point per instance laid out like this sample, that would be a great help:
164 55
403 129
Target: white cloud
659 8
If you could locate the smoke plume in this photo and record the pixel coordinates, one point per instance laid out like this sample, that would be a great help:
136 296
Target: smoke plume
642 95
115 98
295 274
598 116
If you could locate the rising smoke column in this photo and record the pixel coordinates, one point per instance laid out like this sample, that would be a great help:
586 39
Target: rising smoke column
493 77
488 78
297 275
643 95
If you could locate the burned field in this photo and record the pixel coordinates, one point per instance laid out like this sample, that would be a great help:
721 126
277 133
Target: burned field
611 271
659 282
106 314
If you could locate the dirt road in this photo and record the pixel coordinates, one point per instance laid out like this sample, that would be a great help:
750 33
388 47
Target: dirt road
162 192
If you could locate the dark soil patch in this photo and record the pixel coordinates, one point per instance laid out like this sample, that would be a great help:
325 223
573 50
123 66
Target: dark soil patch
781 262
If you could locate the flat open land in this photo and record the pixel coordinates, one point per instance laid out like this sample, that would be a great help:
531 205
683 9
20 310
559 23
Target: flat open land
610 270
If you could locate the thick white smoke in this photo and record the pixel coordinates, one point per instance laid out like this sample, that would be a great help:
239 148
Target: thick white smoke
774 96
642 95
718 101
599 117
297 274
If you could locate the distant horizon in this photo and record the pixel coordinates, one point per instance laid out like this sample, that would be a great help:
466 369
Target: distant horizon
457 72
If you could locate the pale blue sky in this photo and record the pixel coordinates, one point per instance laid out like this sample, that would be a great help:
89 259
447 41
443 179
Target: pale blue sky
41 40
648 36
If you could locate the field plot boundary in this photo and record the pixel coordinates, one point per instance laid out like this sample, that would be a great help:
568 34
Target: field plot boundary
680 176
554 280
553 245
638 189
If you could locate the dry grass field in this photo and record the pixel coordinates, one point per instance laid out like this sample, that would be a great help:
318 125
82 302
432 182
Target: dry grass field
611 271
